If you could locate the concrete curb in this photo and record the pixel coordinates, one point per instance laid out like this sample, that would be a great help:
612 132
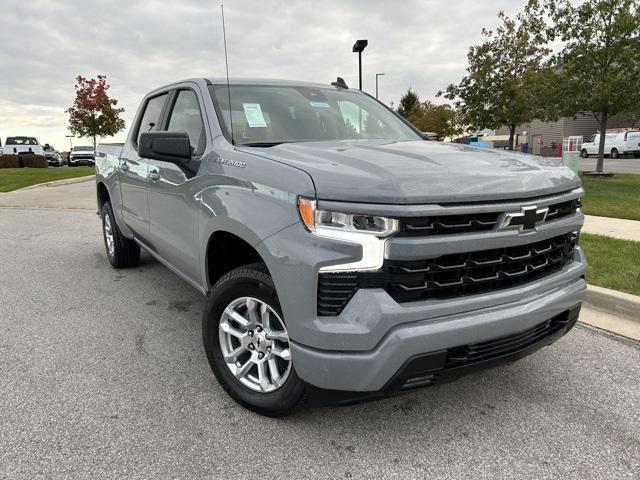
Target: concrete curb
613 302
56 183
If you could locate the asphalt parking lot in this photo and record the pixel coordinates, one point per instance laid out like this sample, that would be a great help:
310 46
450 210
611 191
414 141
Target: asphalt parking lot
103 375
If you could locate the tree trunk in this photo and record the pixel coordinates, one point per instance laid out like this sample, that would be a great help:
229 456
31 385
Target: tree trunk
512 135
94 143
603 133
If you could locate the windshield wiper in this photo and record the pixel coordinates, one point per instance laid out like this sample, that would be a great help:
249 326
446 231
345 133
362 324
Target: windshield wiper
261 144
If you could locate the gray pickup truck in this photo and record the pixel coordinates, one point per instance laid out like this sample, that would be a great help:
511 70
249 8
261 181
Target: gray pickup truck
342 256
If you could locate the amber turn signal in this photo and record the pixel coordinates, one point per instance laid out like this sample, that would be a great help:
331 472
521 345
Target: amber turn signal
307 209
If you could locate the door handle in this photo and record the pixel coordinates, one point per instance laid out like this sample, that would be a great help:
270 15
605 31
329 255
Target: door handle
124 167
154 176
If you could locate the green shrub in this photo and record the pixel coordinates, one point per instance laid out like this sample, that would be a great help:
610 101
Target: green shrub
9 161
34 161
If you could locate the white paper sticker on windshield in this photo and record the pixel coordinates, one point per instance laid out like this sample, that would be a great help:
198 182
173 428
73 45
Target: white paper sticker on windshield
253 113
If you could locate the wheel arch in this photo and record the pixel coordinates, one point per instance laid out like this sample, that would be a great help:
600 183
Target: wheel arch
228 249
103 195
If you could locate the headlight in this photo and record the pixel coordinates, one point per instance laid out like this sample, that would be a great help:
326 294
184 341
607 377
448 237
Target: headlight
368 231
316 220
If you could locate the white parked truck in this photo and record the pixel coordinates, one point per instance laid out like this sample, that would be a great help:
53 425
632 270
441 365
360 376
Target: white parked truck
17 145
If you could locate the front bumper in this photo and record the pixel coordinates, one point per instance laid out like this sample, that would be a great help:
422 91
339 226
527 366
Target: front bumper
372 371
82 161
448 364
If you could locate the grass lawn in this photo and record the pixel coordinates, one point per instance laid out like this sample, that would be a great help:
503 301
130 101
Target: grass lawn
15 178
612 263
617 196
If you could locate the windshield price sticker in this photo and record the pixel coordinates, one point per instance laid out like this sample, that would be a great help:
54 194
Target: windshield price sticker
253 114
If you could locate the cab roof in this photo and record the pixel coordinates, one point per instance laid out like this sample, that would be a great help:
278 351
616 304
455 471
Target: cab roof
244 81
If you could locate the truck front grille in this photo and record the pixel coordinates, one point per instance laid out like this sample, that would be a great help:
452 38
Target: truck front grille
477 272
475 222
450 276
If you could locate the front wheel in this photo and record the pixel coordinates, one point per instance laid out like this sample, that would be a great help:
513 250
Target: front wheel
584 153
247 344
615 153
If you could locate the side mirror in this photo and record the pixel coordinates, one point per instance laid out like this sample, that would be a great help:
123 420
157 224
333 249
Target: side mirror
171 147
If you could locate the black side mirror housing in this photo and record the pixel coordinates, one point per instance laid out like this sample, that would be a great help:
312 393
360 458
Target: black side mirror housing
171 147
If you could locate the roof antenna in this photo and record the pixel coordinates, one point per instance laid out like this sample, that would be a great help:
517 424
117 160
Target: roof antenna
226 62
340 83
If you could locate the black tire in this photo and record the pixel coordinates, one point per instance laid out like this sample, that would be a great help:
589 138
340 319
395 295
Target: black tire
254 281
615 153
126 252
584 153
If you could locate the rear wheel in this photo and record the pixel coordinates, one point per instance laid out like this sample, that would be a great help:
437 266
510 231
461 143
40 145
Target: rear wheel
247 343
121 251
614 153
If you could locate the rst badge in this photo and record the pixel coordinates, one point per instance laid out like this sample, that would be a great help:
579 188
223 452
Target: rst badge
526 219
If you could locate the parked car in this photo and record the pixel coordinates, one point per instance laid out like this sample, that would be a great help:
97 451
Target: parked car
53 157
82 155
18 145
615 144
430 136
340 259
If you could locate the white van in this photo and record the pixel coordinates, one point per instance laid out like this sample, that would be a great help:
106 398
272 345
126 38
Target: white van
615 144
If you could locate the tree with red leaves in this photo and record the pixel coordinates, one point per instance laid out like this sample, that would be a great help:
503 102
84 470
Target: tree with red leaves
93 114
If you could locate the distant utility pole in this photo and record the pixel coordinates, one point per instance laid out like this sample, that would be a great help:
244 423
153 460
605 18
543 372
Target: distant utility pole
377 75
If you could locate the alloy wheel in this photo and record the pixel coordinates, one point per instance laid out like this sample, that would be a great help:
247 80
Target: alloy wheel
255 344
108 235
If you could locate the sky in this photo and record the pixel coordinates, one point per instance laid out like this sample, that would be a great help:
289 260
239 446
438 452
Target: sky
140 45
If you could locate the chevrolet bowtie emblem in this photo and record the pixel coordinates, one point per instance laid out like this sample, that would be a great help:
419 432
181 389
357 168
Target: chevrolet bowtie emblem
526 219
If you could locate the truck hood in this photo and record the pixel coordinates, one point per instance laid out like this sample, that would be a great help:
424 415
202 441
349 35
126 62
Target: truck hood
414 172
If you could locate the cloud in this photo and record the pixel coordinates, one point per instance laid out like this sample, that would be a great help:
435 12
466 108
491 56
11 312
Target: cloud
140 45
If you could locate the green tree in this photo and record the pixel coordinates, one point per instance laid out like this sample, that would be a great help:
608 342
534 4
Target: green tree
440 119
501 84
598 66
93 114
407 102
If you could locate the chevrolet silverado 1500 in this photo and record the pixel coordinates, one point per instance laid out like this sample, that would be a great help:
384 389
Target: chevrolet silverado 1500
340 254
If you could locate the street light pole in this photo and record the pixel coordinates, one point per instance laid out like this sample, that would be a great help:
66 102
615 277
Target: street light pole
377 75
359 46
70 142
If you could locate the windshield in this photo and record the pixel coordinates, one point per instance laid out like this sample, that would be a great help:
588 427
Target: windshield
264 115
83 149
21 141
